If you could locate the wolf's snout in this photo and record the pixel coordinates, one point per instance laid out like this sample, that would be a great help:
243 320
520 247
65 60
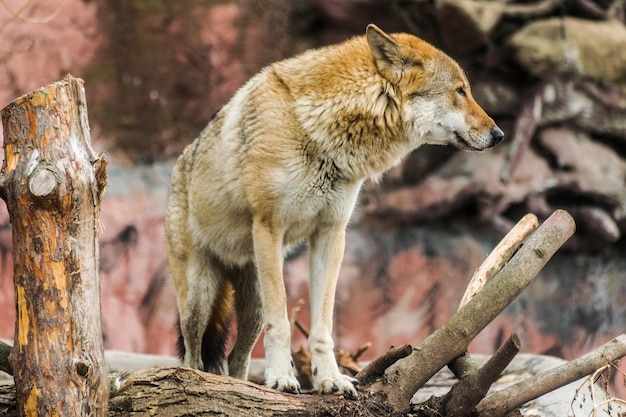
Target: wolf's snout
496 136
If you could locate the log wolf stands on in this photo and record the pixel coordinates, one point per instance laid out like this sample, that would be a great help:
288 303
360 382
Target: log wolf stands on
283 163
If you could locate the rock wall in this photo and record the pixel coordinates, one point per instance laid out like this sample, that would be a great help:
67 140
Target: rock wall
555 84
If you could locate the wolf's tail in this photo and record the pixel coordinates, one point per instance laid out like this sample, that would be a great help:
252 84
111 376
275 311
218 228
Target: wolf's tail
216 335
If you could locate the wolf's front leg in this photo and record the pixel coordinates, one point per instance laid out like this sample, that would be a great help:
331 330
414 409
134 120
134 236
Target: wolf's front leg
279 371
326 253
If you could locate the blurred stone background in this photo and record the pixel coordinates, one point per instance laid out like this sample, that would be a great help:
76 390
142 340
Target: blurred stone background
551 72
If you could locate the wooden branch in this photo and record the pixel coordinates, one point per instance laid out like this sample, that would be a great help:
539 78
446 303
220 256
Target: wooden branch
54 181
468 392
495 261
500 403
376 368
406 376
463 366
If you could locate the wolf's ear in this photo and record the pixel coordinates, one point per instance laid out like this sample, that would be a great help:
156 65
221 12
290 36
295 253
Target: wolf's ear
391 60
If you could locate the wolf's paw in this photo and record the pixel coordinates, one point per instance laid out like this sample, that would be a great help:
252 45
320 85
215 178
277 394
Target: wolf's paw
341 384
287 383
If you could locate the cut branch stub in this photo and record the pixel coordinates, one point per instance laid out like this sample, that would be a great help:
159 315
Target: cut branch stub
42 182
53 181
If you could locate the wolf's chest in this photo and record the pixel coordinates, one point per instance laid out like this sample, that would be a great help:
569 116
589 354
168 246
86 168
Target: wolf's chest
313 207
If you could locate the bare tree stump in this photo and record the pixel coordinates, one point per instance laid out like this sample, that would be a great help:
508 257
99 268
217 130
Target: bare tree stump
53 181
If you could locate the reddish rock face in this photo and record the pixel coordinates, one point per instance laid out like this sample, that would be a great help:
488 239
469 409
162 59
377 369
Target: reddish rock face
48 41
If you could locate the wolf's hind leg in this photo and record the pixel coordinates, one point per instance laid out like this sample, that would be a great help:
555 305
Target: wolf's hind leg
249 320
204 287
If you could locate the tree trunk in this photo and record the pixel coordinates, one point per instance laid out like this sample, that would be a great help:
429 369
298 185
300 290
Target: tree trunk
52 181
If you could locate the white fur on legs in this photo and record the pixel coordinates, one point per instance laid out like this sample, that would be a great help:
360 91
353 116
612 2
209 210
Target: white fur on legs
268 253
326 247
279 369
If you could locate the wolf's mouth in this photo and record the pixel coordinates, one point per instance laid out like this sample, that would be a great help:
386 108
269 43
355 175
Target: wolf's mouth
463 142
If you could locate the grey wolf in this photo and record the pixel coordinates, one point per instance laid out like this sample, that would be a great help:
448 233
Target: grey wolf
283 163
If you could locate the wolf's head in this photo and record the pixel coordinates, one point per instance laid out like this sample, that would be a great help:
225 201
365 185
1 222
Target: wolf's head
438 107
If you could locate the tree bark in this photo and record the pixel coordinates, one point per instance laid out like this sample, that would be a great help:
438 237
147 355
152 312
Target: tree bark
185 392
499 256
53 182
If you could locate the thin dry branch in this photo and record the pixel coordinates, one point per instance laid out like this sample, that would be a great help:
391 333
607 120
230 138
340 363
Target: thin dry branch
502 402
301 328
360 351
590 385
405 377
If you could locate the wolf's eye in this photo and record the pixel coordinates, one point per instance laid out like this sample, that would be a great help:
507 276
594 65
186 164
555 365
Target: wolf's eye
461 91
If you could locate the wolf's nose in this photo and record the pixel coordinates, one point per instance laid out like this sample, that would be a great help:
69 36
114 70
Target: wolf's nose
496 135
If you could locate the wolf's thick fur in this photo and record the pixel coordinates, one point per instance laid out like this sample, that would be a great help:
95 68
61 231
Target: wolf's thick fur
283 163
